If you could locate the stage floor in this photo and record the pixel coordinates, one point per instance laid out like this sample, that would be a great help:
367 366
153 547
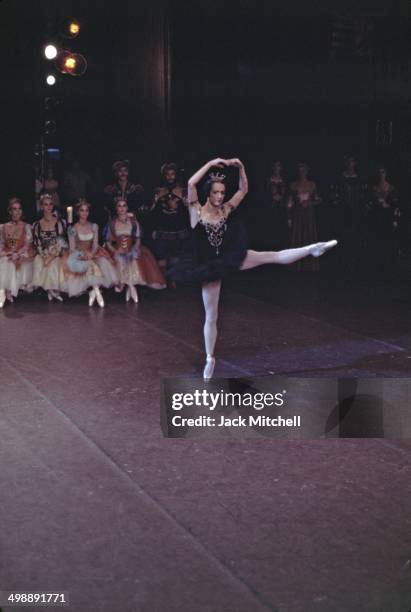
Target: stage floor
95 502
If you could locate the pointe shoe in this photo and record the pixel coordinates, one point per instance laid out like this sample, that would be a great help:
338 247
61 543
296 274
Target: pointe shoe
118 288
134 294
50 295
209 367
57 296
9 296
92 297
128 294
2 297
99 297
318 249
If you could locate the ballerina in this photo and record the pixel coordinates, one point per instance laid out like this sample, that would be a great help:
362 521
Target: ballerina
220 246
88 266
16 253
135 263
49 237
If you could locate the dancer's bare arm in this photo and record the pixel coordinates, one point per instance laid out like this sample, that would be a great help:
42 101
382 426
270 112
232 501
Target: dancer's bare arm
242 186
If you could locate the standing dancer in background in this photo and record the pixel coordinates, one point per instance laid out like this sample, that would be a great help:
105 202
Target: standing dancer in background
349 199
16 253
169 220
123 189
220 246
302 202
50 242
279 219
382 224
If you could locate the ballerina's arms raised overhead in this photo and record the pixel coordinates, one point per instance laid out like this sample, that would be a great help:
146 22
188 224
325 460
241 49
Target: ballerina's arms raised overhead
215 188
242 187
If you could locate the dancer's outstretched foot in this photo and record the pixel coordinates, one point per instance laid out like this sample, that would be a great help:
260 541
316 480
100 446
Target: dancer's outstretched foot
128 293
2 297
318 249
209 367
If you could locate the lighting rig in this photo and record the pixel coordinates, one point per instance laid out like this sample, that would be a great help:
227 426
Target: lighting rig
60 60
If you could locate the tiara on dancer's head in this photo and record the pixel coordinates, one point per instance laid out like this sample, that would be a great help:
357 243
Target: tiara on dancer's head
82 202
216 176
46 196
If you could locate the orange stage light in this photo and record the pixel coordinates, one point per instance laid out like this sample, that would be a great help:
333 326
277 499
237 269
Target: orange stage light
70 63
74 28
70 27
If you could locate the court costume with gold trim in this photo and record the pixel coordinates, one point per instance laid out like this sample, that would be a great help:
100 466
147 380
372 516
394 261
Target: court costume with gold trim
136 265
16 257
49 243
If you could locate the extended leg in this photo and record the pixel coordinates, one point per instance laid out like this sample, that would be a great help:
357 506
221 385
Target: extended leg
288 256
211 296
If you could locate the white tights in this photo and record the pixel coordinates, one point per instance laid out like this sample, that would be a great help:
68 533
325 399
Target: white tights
211 295
253 259
288 256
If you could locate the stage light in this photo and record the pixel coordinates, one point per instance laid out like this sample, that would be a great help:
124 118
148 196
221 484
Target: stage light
76 65
50 52
51 79
74 28
70 28
61 59
65 61
70 63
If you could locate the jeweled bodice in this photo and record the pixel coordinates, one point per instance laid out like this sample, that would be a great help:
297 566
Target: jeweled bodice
13 236
215 232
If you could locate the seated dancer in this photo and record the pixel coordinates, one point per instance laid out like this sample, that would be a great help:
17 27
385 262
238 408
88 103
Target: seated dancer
169 219
88 266
135 264
220 246
16 253
50 242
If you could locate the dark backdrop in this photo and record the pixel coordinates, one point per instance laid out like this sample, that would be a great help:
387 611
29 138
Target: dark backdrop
260 80
190 80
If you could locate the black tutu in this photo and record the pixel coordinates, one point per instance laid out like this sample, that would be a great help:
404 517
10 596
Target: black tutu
201 264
